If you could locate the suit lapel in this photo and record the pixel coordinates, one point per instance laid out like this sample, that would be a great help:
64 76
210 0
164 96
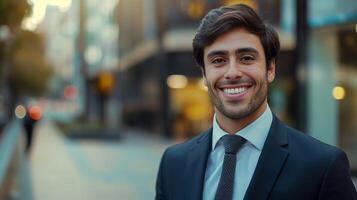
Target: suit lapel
196 166
270 163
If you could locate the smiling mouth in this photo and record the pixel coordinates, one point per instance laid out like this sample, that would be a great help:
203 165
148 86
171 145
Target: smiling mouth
237 90
233 90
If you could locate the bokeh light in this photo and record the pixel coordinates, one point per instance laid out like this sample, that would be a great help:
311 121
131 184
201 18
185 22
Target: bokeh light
177 81
35 112
20 111
70 92
338 92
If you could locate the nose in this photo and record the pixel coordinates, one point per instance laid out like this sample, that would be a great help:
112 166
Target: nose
232 71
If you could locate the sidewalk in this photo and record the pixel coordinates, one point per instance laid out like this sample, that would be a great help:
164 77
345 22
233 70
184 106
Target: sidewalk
92 170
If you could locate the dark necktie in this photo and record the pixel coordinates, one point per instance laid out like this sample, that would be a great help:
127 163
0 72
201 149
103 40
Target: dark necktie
231 143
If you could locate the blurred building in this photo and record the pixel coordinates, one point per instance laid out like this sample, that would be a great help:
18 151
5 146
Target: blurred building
131 62
81 54
315 90
60 28
161 85
331 74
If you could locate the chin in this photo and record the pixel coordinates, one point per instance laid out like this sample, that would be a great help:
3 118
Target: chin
236 113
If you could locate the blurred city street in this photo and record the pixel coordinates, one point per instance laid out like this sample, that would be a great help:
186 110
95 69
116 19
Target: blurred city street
92 169
99 89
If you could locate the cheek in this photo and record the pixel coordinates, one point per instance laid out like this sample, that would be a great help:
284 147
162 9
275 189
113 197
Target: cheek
210 81
255 73
212 75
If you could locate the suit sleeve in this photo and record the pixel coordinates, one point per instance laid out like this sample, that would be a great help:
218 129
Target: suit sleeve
160 186
337 184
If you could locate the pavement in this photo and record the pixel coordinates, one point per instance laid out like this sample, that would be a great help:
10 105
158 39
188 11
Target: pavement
62 168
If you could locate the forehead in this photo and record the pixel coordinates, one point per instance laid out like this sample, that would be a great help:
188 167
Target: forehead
233 40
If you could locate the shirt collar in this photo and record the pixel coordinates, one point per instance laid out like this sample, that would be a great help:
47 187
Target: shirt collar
255 133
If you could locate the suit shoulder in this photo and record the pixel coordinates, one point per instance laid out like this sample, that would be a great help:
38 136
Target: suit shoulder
183 148
308 144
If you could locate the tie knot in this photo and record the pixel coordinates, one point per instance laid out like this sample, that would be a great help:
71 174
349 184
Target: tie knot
232 143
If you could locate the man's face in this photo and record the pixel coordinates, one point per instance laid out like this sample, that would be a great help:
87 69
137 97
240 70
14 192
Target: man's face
236 74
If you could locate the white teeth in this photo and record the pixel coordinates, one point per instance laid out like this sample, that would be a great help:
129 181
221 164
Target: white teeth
234 90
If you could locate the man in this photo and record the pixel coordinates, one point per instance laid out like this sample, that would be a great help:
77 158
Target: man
248 153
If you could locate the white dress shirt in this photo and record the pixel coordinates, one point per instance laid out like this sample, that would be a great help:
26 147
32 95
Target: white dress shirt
247 157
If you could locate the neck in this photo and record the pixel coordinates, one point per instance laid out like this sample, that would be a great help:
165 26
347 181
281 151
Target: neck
232 126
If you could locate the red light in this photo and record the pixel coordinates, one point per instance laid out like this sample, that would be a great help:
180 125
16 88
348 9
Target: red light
35 112
70 92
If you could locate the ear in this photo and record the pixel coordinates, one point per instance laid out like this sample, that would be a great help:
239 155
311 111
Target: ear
271 71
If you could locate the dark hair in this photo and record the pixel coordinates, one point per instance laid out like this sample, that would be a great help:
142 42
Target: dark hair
224 19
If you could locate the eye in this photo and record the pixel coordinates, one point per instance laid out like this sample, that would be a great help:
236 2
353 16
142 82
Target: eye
218 61
247 59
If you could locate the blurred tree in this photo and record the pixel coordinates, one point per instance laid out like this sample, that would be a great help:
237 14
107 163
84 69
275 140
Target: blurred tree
29 72
23 67
12 12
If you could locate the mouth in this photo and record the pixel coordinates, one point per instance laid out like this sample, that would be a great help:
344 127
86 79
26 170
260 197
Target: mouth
235 92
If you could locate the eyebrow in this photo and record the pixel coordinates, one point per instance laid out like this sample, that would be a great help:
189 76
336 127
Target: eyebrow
246 50
215 53
237 51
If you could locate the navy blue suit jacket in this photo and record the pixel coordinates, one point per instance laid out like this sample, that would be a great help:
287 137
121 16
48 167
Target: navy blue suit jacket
292 166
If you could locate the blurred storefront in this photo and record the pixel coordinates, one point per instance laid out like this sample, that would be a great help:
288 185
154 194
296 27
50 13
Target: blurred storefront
331 74
346 76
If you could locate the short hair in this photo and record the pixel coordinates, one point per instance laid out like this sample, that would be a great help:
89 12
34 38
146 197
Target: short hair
224 19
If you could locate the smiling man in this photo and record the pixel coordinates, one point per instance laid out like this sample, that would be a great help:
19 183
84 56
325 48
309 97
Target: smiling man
248 153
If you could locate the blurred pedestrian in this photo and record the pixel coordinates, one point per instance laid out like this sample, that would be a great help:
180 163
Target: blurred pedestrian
33 115
248 153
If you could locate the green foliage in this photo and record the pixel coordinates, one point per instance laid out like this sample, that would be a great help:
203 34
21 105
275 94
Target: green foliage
12 12
29 72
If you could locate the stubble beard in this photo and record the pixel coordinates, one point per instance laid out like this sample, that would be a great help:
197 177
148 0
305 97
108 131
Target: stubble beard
253 105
